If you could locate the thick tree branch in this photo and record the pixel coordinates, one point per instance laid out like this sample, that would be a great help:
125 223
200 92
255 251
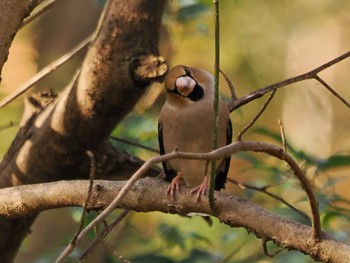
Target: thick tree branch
232 210
12 14
218 154
121 62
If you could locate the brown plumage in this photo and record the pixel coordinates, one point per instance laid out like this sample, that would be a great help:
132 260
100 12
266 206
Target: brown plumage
186 122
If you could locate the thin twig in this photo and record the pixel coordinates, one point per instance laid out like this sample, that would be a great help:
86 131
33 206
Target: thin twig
264 191
283 136
103 234
332 90
73 243
46 6
230 85
309 75
45 71
136 144
239 137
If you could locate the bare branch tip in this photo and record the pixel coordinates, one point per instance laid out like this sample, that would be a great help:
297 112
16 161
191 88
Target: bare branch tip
283 135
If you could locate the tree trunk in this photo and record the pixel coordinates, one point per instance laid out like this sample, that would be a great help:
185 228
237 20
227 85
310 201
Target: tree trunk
12 13
51 145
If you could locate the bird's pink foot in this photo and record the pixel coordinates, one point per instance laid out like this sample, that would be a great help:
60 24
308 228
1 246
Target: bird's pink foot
200 189
174 185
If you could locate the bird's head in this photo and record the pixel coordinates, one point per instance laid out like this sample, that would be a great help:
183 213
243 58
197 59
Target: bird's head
189 83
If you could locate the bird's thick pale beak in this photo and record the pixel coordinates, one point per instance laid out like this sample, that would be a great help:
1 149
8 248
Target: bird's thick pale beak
185 85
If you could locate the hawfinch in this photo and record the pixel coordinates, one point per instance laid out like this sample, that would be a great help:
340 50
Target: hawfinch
186 123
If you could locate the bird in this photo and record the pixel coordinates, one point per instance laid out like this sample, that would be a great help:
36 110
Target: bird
186 123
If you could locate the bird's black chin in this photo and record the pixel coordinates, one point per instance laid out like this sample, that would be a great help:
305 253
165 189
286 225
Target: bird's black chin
196 94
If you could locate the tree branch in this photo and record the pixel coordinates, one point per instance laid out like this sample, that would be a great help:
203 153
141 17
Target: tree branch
45 7
44 72
12 14
257 116
218 154
122 61
309 75
232 210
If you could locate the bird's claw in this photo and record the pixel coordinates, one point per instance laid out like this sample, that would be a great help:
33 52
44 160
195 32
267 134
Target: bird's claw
200 190
174 185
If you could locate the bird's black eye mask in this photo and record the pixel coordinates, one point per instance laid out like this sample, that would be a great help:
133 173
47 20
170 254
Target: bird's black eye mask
197 92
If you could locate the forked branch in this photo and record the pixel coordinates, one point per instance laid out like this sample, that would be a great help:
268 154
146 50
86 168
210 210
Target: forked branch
214 155
313 74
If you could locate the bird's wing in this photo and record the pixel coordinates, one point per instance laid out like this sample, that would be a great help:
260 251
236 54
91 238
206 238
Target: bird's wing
222 171
169 172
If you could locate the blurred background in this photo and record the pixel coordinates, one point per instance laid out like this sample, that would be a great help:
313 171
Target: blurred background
262 42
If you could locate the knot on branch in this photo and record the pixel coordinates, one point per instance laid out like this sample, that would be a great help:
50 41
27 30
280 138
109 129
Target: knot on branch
36 103
42 99
147 68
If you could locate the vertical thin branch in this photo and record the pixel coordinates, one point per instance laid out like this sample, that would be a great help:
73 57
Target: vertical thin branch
216 100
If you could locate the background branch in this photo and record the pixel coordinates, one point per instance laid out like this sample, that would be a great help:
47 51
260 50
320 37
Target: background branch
309 75
265 191
45 7
103 234
250 124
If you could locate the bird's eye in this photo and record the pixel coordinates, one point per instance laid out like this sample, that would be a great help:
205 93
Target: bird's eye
188 72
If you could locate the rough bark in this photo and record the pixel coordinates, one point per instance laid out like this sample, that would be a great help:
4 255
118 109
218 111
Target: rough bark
231 210
121 63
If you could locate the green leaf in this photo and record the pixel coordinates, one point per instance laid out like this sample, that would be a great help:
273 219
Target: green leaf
151 258
171 235
190 12
200 256
197 237
334 161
